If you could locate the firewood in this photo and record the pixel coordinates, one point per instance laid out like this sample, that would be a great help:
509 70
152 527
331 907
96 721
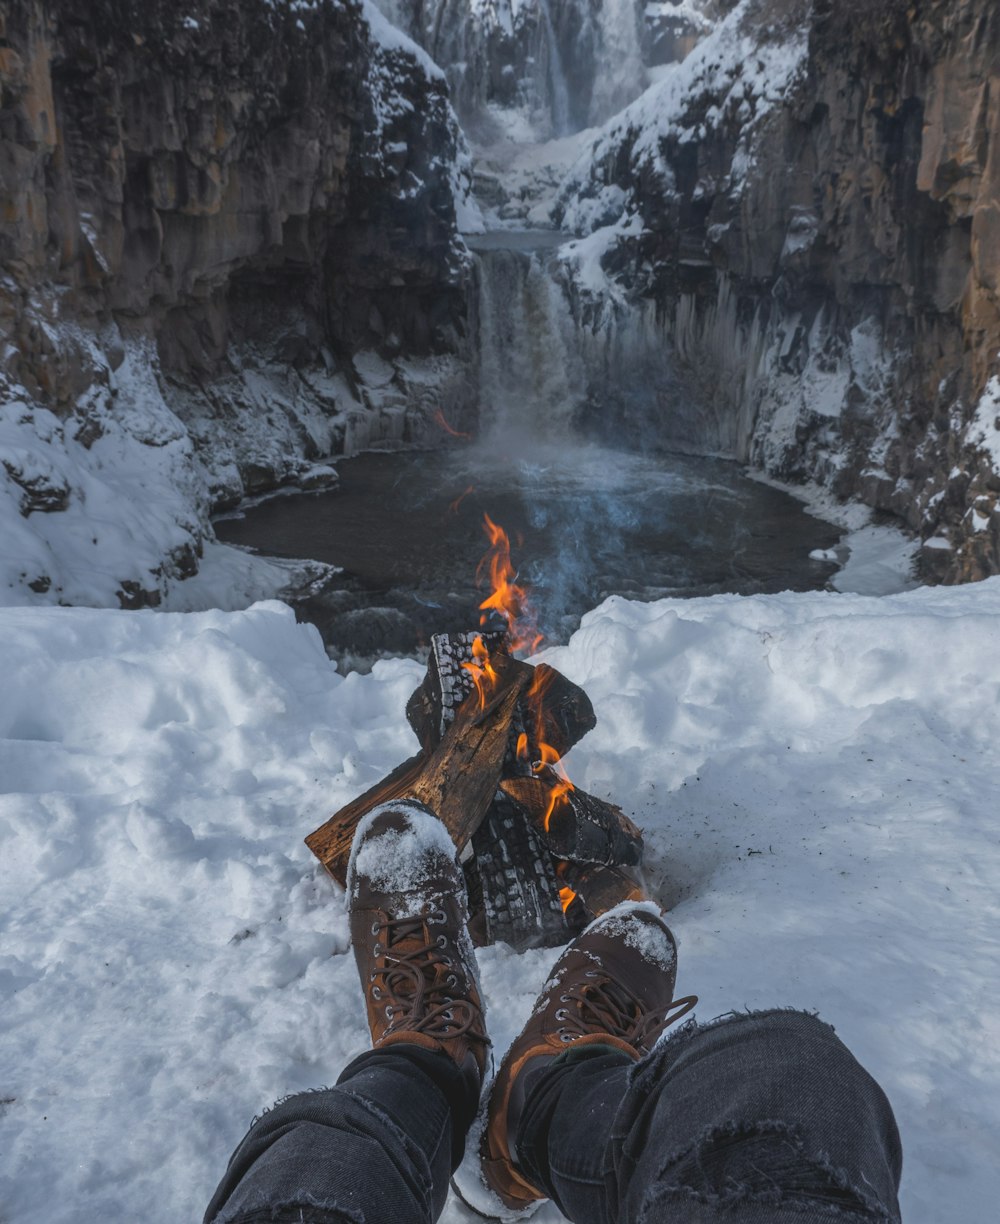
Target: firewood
600 888
458 780
567 711
582 828
518 888
461 777
432 707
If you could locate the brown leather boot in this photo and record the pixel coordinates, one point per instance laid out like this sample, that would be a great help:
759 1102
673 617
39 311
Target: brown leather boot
613 986
408 913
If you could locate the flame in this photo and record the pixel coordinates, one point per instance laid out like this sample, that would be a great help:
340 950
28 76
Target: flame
510 600
567 896
506 598
557 792
440 419
453 507
483 674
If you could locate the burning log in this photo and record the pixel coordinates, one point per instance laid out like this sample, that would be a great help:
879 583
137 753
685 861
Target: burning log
557 711
518 886
458 780
542 857
596 889
576 826
432 707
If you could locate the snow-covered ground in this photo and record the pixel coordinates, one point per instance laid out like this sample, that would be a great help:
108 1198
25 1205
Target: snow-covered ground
816 775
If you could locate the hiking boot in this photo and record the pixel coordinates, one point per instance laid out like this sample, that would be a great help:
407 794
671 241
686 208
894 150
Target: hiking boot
408 913
614 987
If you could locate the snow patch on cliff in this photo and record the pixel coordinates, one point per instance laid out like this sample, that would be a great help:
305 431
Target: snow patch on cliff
736 74
985 429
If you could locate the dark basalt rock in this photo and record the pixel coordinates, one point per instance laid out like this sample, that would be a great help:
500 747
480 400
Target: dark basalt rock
872 198
164 163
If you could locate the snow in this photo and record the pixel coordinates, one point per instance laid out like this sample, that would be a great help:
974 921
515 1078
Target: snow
744 67
874 559
396 861
816 776
392 39
645 937
985 428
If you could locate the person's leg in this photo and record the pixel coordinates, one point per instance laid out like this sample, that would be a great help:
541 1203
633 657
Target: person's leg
754 1119
380 1145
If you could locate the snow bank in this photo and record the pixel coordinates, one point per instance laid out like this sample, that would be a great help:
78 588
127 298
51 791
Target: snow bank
816 775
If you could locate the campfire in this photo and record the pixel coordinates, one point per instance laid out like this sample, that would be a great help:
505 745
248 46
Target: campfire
541 856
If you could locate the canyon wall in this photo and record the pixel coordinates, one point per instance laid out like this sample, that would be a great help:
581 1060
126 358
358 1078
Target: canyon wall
228 249
558 65
812 203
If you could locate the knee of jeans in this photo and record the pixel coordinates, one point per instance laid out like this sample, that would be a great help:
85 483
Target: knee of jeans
762 1164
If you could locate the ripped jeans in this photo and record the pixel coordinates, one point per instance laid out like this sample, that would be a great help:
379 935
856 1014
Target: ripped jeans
758 1118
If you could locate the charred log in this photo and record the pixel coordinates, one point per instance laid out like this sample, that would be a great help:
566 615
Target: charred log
580 827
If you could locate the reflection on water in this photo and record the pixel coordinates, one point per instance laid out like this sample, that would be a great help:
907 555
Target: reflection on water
585 523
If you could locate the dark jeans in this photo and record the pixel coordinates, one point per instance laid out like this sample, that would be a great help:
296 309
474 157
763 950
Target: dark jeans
756 1119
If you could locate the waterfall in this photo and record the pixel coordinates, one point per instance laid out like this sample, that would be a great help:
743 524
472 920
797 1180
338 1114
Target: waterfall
557 92
620 74
563 64
530 375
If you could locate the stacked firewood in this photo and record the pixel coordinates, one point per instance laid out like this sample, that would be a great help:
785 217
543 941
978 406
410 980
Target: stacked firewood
541 856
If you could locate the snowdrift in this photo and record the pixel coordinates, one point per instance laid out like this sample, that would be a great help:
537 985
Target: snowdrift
816 775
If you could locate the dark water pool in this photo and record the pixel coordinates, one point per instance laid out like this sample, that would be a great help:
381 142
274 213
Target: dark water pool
407 530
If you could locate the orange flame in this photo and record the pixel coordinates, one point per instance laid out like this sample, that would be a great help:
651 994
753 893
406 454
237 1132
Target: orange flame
483 674
440 419
453 507
567 896
507 598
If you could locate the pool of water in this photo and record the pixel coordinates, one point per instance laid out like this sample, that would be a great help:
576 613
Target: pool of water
406 528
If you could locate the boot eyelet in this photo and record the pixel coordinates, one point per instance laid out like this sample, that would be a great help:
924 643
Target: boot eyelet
562 1014
451 980
565 1037
564 998
375 927
376 992
389 1011
441 941
437 917
377 950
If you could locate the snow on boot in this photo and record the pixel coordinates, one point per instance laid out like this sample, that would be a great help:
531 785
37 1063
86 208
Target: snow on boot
408 914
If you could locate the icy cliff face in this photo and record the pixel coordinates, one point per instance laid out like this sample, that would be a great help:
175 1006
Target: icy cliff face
557 65
212 212
811 200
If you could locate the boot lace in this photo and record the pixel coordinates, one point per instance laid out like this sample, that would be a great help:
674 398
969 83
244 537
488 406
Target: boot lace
606 1006
414 981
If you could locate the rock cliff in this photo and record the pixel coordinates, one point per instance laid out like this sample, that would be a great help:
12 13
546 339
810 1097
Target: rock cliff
812 202
209 210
